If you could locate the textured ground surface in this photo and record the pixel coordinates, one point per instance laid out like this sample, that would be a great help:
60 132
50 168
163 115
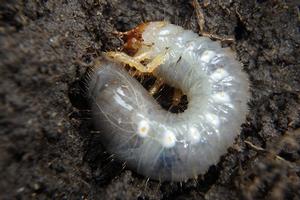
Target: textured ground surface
47 148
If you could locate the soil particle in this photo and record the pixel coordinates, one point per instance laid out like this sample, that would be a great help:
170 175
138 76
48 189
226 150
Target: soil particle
48 149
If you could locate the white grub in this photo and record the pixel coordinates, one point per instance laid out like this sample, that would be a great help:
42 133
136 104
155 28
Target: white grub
163 145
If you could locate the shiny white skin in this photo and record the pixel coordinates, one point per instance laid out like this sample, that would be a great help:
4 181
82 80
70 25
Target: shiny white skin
163 145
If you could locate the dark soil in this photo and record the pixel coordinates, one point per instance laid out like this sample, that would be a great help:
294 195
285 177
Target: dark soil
47 147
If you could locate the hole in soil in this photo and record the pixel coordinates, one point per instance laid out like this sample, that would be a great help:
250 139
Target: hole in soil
240 31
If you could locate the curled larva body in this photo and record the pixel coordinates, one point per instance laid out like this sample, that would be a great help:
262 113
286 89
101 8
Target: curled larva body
172 146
